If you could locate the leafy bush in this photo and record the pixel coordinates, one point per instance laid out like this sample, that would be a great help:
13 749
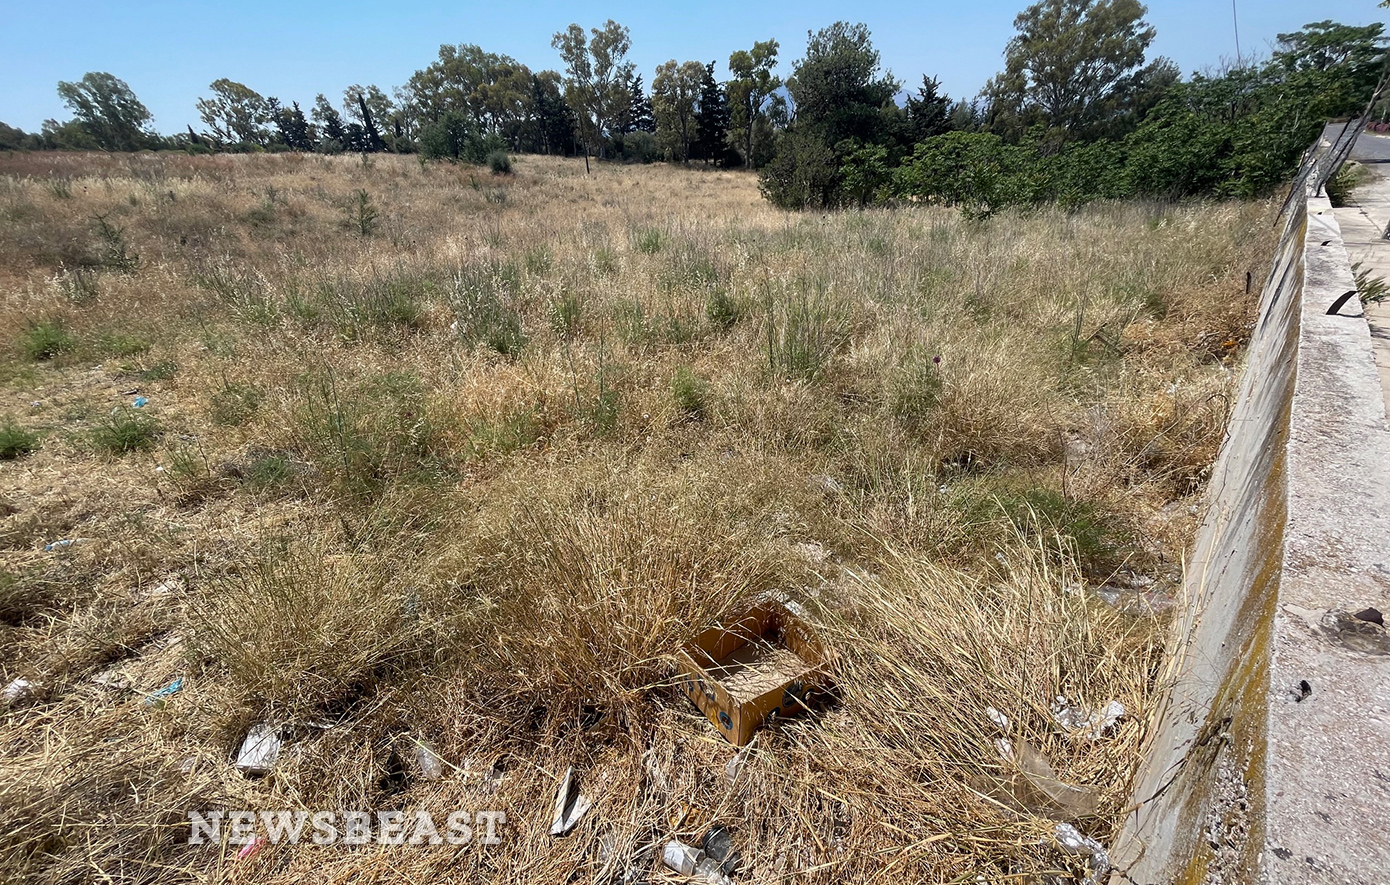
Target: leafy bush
125 430
499 162
804 174
234 404
46 339
690 393
15 441
454 137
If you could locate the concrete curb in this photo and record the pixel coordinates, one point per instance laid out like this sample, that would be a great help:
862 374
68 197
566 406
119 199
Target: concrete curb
1271 759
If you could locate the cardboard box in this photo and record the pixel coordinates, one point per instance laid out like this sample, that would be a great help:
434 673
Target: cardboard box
766 661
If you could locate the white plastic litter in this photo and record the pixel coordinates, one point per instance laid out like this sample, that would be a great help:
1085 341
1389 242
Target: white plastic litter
1072 842
431 766
570 805
681 857
999 719
1072 717
18 691
259 750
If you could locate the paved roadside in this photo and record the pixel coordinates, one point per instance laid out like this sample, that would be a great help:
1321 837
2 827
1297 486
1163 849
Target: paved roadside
1363 224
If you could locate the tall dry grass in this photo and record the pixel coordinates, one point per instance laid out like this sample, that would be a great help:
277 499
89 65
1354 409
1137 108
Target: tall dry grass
471 474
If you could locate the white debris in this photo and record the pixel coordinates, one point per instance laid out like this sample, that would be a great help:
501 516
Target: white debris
1075 718
430 765
570 804
681 857
1005 748
999 719
18 691
734 766
259 750
1072 842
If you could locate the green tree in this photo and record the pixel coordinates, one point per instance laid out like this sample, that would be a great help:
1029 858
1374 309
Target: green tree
596 69
843 102
839 89
335 137
235 113
675 94
107 113
929 112
712 120
1077 68
753 84
1356 51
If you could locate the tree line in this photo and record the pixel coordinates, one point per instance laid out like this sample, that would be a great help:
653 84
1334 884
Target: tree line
1079 112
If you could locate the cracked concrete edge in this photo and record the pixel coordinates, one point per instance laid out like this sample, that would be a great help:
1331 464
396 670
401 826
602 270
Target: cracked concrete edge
1243 783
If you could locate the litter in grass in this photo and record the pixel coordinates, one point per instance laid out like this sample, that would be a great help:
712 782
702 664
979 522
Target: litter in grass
259 751
64 543
681 857
159 696
718 846
570 804
1097 723
19 691
1072 842
430 765
766 662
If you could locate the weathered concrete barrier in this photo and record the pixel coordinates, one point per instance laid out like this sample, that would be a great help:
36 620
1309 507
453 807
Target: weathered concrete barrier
1271 759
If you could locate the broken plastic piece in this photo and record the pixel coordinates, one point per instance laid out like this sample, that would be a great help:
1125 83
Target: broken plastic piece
1075 718
431 766
735 765
570 804
681 857
160 695
1072 842
252 848
19 691
65 542
718 846
259 750
999 719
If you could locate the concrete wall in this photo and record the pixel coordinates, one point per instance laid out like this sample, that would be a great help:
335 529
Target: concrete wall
1271 759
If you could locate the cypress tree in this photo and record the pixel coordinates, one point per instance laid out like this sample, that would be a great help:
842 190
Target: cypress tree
712 120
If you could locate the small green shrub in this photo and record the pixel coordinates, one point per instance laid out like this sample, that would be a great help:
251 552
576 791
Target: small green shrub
116 251
125 430
266 472
804 329
566 315
15 441
368 433
120 344
499 162
691 393
722 310
163 370
484 304
235 404
364 215
46 339
648 241
914 391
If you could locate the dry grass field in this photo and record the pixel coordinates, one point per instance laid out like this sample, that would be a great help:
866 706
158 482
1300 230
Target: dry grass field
429 455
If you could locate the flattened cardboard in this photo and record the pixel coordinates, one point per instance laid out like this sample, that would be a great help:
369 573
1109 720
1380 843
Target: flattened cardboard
764 662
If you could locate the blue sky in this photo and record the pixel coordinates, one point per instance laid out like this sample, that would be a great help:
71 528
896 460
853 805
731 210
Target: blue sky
169 52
